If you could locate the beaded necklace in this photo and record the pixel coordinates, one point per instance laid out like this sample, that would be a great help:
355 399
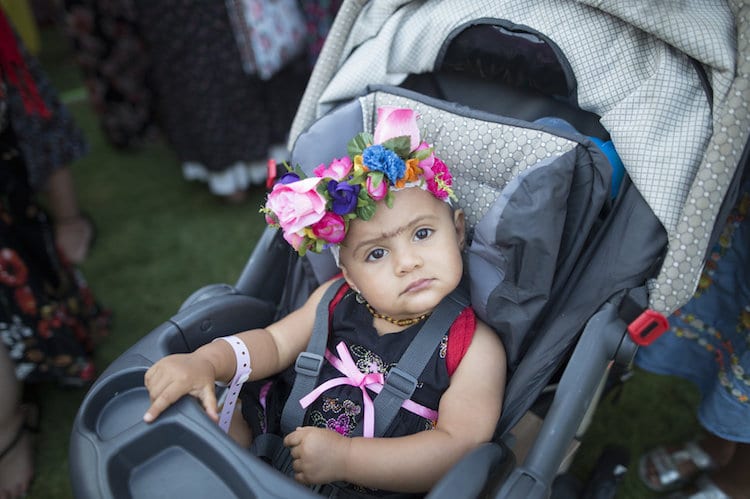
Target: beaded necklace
398 322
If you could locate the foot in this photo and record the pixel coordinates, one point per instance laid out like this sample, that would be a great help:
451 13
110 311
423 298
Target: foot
17 461
74 237
714 486
671 467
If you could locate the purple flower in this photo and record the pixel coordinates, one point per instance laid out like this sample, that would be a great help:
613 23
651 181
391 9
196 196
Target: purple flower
288 178
343 196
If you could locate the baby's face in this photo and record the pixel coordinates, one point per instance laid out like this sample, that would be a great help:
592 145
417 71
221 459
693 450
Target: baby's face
407 258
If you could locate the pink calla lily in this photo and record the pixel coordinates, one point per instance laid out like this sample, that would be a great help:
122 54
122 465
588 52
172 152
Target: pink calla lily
396 122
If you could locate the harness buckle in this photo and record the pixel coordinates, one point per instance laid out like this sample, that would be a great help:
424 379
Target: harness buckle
400 383
308 364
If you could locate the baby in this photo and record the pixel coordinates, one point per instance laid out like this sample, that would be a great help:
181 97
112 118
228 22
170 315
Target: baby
386 214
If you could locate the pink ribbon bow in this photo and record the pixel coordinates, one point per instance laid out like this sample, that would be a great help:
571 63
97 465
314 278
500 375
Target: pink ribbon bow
354 377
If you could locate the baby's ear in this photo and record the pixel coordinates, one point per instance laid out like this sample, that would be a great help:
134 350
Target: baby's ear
347 278
459 220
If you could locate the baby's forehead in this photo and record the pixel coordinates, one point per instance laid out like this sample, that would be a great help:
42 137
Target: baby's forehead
390 221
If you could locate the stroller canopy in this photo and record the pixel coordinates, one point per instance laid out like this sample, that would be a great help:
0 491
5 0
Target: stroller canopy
666 82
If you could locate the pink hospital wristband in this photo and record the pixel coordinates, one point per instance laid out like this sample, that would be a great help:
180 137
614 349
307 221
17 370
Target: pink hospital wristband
241 374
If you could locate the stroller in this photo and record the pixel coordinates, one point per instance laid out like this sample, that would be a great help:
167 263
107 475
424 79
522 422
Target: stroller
573 259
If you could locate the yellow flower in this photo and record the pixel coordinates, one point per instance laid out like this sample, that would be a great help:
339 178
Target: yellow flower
359 166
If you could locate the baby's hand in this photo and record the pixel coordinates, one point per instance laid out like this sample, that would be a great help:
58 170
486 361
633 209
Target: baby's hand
177 375
319 455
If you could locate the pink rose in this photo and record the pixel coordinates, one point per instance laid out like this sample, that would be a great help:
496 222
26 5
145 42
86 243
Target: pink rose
294 239
297 204
396 122
330 228
338 169
379 192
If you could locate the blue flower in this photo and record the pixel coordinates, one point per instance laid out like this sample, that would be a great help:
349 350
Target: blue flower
379 158
343 196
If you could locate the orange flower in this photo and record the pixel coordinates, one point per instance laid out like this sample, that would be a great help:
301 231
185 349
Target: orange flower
412 173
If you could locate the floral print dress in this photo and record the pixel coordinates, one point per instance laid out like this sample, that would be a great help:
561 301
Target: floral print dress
708 342
49 319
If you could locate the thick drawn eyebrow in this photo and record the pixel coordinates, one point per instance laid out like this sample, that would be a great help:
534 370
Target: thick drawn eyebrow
387 235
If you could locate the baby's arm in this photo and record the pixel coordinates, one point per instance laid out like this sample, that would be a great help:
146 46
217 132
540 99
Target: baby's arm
271 350
469 411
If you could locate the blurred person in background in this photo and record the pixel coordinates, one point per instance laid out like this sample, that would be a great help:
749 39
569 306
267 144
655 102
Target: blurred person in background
49 319
708 343
179 65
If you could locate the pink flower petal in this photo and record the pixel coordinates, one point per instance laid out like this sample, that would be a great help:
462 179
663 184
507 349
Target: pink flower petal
396 122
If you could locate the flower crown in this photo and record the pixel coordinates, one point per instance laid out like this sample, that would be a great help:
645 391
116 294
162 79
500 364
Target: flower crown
315 212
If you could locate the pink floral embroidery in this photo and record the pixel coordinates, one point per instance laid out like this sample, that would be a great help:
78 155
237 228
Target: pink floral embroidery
344 423
340 425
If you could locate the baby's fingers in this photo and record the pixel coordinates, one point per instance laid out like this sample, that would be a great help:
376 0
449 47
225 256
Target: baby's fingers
293 439
160 401
207 396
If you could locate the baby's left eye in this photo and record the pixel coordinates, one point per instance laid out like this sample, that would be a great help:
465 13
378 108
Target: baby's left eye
423 233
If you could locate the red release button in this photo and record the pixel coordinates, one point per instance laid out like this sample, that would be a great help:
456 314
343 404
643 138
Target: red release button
647 327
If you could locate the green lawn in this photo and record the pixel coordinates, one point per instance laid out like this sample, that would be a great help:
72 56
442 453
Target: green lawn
160 238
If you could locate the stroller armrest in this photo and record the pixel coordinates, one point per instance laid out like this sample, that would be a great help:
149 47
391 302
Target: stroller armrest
475 474
113 453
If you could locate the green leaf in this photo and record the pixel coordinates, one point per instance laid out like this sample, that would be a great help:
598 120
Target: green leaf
375 178
400 145
389 199
358 143
366 210
357 178
423 153
322 189
298 170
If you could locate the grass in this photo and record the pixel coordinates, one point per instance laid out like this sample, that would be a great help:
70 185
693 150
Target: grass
160 238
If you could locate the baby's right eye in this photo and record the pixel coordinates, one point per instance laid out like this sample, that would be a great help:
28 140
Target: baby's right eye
375 254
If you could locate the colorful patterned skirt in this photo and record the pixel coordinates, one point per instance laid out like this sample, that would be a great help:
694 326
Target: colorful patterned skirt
709 339
49 319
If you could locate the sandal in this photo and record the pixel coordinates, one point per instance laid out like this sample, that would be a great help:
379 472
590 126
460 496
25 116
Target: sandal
703 488
667 466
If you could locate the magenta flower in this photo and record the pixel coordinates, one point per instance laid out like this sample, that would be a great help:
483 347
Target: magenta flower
379 192
330 228
441 180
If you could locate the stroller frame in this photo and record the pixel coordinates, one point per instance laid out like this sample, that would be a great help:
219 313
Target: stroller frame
114 454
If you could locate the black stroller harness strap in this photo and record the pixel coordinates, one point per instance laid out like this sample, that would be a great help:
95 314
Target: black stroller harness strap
309 362
402 378
399 386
